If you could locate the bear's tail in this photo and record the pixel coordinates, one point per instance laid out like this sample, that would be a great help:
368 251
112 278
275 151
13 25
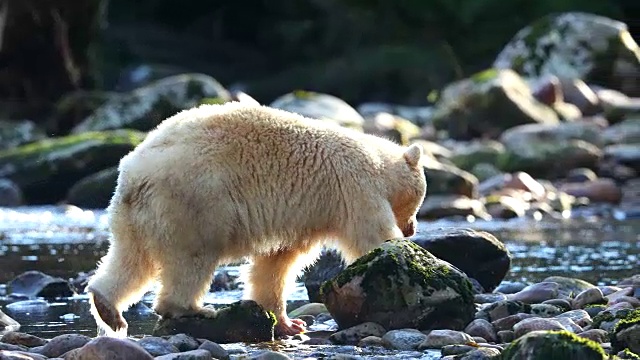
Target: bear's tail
122 277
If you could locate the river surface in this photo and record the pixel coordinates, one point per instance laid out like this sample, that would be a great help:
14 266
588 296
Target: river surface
63 241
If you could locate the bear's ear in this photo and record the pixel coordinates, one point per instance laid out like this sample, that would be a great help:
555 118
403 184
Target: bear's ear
413 154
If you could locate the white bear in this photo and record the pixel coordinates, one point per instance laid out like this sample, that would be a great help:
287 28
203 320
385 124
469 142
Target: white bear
218 183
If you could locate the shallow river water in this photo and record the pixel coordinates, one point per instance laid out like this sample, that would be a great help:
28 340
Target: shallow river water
63 241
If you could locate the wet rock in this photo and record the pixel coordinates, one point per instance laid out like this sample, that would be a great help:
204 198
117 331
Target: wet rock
11 347
536 293
510 287
478 254
61 344
624 132
7 323
488 103
506 207
94 191
449 350
523 181
563 304
270 355
447 179
625 154
433 293
578 93
242 321
588 297
507 322
626 333
16 133
581 175
545 310
506 336
580 317
615 296
483 329
501 309
549 150
20 355
448 206
157 346
10 193
45 170
37 284
23 339
597 335
329 264
313 309
594 310
144 108
436 339
600 190
607 320
202 355
569 324
482 353
535 323
484 171
371 341
547 90
569 286
466 155
354 334
403 339
553 344
617 105
321 107
216 351
392 127
419 115
488 298
184 342
574 45
106 348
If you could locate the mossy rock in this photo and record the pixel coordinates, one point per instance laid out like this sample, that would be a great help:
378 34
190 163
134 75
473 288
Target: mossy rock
144 108
445 179
46 170
242 321
626 333
550 159
466 156
488 103
94 191
553 345
607 320
400 285
577 45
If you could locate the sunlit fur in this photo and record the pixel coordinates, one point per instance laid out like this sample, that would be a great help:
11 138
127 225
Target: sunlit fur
217 183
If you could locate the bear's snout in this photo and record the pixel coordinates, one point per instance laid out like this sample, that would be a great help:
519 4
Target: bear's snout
409 229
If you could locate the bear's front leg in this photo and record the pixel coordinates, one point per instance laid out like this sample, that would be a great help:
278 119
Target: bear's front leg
270 276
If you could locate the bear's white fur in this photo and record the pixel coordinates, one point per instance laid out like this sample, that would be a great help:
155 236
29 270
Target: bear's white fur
217 183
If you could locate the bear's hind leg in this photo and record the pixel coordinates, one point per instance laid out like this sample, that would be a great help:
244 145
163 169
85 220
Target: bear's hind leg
269 278
185 280
122 278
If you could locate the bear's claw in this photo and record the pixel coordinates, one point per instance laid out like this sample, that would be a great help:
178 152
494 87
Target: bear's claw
107 312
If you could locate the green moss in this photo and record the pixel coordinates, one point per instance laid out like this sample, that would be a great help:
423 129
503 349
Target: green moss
484 76
608 316
553 345
632 318
628 354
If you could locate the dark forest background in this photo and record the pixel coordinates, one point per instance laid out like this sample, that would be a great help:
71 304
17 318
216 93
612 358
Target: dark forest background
358 50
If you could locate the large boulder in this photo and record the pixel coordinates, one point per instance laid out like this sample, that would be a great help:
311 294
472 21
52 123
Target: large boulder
626 333
445 179
45 170
575 45
526 135
400 285
321 107
94 191
478 253
544 155
488 103
144 108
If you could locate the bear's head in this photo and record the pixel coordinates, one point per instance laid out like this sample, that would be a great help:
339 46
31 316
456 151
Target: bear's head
409 188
